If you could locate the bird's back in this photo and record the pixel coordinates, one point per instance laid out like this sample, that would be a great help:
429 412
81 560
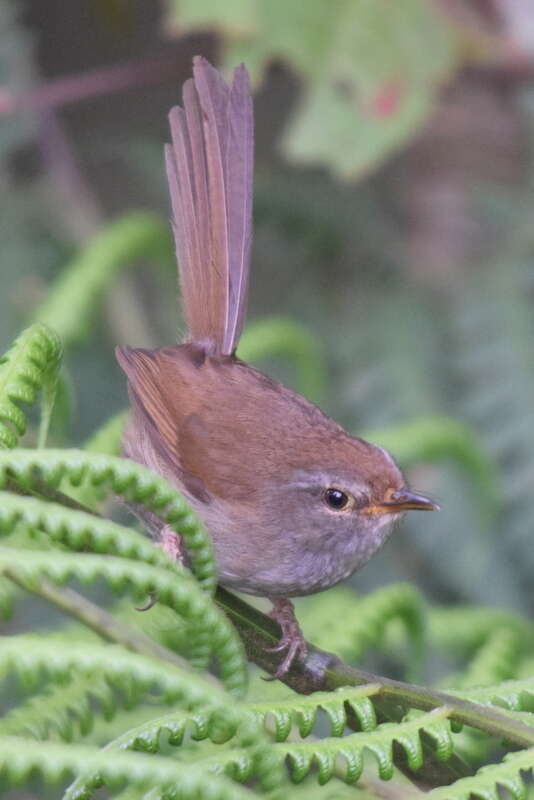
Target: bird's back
216 423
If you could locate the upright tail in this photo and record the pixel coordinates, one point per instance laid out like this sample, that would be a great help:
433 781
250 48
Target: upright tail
209 169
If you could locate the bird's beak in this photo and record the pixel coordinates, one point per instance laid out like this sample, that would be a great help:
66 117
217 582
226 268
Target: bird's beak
405 500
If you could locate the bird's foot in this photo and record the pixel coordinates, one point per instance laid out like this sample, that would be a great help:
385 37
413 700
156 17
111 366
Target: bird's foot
172 544
292 639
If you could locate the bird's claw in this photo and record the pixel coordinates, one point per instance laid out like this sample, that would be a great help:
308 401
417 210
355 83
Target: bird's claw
292 639
153 599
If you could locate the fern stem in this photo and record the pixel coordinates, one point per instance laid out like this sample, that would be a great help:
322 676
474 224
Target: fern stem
20 758
97 619
322 671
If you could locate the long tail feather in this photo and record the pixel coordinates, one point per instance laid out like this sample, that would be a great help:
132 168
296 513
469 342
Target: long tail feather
209 169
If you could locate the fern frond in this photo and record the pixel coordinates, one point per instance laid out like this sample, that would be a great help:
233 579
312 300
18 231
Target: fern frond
105 729
344 756
325 753
515 695
303 711
276 336
510 774
365 620
79 530
180 593
496 660
29 657
29 366
464 629
119 476
219 725
73 298
21 758
63 709
77 705
148 736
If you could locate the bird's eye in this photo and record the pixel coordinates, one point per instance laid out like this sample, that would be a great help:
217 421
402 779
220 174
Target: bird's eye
336 499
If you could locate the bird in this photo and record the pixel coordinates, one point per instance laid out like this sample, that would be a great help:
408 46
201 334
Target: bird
292 502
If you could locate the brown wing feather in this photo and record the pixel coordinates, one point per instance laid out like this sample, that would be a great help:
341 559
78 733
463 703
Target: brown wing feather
163 405
142 368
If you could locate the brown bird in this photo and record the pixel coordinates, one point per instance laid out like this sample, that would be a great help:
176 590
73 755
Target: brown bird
293 503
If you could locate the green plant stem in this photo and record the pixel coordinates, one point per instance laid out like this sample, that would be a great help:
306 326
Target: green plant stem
98 620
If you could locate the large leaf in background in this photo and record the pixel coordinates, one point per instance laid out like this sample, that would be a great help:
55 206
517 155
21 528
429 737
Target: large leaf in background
370 67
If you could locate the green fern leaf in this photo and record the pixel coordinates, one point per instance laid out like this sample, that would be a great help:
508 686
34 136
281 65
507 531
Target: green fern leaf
30 656
345 755
365 620
181 594
21 758
120 476
497 659
301 756
303 711
515 695
275 336
29 366
147 738
79 530
324 754
509 775
62 709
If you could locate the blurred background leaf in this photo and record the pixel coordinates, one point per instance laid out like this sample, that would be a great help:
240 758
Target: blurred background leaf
368 84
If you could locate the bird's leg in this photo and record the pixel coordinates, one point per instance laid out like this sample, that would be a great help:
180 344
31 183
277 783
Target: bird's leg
172 544
292 639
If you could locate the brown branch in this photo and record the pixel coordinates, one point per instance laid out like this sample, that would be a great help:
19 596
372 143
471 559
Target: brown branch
94 83
322 671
